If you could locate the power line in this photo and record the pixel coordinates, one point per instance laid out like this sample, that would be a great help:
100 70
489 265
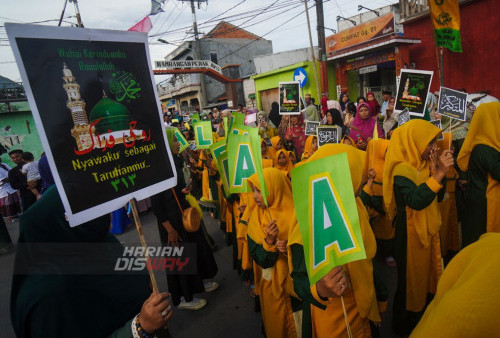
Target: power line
262 36
230 18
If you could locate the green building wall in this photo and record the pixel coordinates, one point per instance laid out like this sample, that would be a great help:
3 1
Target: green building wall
22 134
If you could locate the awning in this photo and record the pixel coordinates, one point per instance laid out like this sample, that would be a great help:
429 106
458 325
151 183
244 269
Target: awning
373 45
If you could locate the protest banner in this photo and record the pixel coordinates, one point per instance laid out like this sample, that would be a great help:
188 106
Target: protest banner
245 159
237 119
289 98
184 144
327 214
226 125
203 134
445 17
94 102
403 117
255 143
222 163
311 128
413 90
328 134
452 103
242 163
216 149
195 118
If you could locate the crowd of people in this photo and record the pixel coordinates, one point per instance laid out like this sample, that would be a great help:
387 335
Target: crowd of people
421 196
425 201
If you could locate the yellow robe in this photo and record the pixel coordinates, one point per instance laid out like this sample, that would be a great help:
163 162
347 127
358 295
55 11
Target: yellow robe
359 299
423 256
484 129
375 159
467 300
274 285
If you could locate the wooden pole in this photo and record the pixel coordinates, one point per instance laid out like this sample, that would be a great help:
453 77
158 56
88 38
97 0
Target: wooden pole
349 333
138 226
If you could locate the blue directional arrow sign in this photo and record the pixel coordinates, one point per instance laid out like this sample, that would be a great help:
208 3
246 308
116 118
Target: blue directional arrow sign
301 76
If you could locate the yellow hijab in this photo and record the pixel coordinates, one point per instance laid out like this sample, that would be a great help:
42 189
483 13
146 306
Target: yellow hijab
467 297
280 208
268 154
483 130
361 271
403 158
308 147
274 141
353 143
375 159
288 166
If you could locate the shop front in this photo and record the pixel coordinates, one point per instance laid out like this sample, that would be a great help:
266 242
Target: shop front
369 56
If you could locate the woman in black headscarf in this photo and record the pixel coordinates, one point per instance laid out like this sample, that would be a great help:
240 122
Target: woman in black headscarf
65 284
274 115
334 118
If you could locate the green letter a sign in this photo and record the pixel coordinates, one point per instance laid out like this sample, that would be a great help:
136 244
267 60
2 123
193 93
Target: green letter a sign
327 213
328 220
242 164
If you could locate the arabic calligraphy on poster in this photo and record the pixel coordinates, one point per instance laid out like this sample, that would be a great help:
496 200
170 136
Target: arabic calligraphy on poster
98 116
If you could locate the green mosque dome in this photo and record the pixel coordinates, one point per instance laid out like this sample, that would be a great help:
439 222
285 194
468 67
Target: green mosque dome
114 116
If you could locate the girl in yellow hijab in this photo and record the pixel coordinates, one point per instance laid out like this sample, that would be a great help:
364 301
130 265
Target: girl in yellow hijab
449 232
413 174
266 151
354 281
268 229
310 147
467 297
372 197
282 162
480 156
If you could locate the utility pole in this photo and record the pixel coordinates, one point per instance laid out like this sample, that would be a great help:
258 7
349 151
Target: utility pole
197 49
77 11
312 51
322 46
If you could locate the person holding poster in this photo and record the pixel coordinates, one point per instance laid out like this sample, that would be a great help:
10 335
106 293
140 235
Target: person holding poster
295 133
413 173
480 156
450 231
172 231
363 126
353 281
268 232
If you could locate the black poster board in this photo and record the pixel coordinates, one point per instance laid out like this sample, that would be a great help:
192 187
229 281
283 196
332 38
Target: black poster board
452 103
96 109
329 135
413 90
311 128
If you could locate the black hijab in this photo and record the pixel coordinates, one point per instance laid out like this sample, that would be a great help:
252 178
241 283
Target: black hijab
274 115
46 300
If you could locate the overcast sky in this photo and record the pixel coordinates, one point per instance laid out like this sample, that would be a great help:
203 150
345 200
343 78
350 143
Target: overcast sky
172 25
